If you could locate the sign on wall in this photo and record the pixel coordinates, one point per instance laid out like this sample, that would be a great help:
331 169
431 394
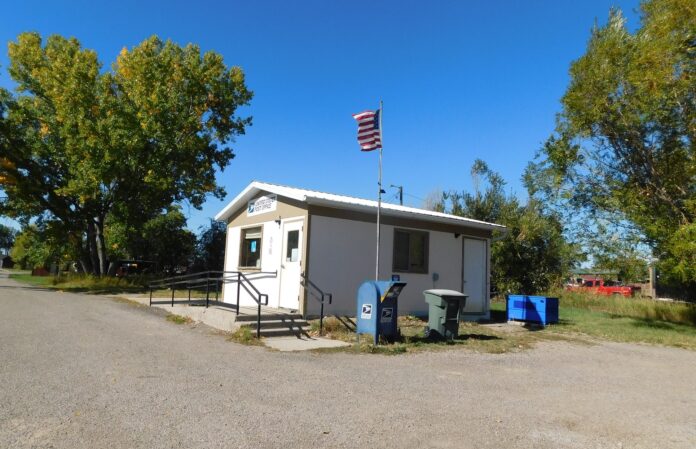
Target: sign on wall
261 205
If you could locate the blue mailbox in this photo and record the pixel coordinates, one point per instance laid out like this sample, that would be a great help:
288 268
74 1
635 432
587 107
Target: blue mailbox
377 309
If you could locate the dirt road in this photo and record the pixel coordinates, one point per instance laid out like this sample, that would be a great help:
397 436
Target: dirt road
80 371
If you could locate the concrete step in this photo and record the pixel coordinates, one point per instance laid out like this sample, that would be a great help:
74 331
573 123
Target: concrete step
282 332
290 317
277 324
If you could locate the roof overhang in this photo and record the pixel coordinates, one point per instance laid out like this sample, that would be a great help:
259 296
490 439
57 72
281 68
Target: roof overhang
351 204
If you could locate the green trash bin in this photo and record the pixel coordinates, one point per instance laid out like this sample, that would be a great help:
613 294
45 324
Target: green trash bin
443 313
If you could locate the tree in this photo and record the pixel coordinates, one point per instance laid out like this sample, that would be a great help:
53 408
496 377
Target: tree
39 246
167 242
120 145
623 151
532 255
7 237
210 248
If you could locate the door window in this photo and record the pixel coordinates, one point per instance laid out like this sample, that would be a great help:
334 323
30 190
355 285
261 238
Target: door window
292 253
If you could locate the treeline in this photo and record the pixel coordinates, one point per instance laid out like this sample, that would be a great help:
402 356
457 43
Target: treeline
163 245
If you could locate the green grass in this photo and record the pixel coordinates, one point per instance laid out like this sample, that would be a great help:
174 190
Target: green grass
583 319
620 319
38 281
103 285
646 309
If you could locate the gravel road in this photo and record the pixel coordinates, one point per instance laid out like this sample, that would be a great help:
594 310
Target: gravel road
79 371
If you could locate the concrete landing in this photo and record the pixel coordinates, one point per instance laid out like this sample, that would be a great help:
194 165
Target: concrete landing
289 344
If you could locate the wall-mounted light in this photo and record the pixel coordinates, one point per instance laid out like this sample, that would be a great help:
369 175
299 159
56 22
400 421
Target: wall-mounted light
278 220
456 235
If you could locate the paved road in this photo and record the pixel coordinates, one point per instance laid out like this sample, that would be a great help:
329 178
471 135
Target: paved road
80 371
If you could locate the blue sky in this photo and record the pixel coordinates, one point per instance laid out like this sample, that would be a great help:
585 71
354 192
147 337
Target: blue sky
460 80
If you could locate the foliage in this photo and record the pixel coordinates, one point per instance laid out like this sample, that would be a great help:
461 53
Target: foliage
88 145
37 247
623 151
210 248
167 242
7 237
532 255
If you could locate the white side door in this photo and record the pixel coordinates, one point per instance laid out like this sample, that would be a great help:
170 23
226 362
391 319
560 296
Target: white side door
291 265
475 261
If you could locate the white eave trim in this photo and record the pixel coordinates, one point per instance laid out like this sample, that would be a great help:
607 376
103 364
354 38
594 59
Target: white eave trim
349 203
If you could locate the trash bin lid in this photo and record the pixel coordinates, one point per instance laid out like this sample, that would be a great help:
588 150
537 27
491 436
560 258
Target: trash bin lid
443 292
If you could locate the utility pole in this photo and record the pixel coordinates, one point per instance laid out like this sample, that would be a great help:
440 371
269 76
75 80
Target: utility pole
401 193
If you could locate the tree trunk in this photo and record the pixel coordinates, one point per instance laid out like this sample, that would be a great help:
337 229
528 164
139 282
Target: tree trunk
100 245
92 248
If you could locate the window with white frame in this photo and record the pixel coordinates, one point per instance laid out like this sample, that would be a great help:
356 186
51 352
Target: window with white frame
250 252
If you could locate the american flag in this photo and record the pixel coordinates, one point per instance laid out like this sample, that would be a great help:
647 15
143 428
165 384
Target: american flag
369 132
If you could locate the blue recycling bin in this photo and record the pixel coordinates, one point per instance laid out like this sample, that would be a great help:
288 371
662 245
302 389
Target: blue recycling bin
378 309
532 309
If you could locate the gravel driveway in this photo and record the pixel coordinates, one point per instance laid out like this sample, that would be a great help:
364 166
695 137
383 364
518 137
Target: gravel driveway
79 371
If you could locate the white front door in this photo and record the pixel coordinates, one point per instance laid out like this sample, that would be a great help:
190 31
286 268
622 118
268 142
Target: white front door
291 265
474 275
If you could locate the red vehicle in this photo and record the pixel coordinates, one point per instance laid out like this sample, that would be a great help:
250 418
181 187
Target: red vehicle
602 287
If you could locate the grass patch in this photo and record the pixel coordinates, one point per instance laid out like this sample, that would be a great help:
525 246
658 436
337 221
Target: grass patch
612 318
106 285
37 281
472 336
246 336
178 319
621 319
85 283
641 308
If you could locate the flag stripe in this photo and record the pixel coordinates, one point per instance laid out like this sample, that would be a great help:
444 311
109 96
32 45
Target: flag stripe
369 133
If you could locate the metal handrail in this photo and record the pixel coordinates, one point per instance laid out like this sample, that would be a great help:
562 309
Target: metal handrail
307 282
220 278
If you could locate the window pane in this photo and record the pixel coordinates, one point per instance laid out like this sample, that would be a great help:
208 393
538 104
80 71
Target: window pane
250 254
418 247
410 251
293 245
401 250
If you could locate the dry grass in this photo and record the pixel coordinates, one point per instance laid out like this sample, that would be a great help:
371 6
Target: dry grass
647 309
245 335
472 336
178 319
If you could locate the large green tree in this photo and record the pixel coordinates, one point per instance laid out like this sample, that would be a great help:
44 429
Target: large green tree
623 153
532 255
91 145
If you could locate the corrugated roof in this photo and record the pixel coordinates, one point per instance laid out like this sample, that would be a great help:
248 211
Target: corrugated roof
348 203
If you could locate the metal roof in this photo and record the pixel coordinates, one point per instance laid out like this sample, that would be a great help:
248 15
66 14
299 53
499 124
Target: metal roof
314 197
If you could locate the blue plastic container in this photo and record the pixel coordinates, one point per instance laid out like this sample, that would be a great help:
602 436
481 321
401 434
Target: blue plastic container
532 309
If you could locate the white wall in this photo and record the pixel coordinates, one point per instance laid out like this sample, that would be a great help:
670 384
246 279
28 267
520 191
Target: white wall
270 261
342 256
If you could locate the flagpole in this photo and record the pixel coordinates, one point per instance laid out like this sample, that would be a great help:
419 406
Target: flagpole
379 190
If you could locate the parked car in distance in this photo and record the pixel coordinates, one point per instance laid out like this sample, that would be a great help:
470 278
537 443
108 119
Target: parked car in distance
602 287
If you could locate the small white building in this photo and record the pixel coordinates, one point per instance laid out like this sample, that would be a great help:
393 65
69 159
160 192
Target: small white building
277 234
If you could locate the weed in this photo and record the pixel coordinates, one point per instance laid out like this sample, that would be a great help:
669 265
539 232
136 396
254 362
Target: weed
245 336
178 319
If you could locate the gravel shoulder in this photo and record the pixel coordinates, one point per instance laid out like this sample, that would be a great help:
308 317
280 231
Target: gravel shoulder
80 371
